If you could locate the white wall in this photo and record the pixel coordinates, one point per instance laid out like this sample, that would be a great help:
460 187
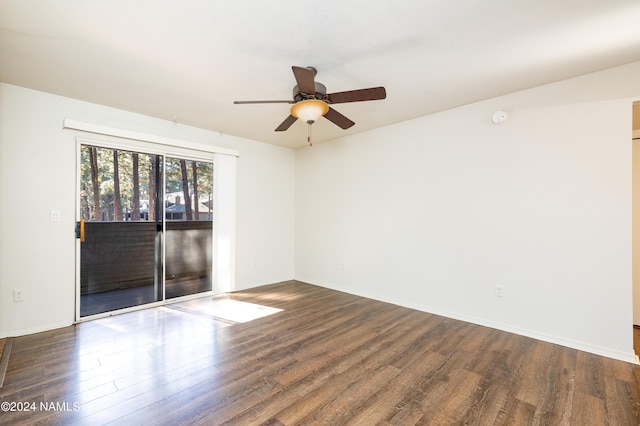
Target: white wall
265 215
636 231
435 212
37 175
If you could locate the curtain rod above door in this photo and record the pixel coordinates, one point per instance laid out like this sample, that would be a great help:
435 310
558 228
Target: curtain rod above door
128 134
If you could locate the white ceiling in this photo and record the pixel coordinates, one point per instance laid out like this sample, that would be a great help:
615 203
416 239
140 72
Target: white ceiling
190 59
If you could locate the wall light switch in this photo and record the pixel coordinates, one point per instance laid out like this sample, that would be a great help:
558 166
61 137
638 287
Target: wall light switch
55 216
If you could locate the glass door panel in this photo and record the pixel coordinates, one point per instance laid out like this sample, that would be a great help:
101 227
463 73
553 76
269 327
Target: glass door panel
120 229
188 226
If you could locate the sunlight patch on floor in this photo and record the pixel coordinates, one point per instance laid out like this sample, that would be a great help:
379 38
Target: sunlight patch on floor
235 311
277 296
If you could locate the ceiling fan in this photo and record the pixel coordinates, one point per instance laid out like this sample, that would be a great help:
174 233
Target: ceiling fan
311 101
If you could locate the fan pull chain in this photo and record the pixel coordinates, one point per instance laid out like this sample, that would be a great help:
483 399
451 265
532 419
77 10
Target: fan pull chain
309 135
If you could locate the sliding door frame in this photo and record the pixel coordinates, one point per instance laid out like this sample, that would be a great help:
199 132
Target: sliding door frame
117 139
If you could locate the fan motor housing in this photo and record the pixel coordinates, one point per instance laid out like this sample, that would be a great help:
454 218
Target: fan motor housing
321 93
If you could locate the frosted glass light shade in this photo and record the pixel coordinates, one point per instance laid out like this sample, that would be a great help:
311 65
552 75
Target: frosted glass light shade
309 110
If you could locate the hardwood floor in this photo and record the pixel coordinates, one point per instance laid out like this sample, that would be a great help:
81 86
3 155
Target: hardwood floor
293 353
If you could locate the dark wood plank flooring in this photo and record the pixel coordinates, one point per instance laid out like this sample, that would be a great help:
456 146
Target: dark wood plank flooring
293 353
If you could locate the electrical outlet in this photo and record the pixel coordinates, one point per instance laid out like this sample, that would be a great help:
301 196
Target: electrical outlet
499 291
18 295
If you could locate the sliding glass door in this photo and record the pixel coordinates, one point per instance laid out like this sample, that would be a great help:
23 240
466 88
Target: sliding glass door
145 228
188 228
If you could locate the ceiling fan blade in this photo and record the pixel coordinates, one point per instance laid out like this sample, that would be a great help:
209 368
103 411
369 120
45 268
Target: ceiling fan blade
338 119
372 94
262 102
286 123
304 78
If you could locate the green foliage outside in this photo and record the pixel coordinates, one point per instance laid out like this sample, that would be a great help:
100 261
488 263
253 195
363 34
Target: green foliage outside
129 192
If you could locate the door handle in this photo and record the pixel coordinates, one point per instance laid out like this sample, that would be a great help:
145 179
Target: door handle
80 230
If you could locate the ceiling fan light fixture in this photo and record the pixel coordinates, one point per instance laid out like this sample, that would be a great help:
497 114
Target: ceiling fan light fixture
309 110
